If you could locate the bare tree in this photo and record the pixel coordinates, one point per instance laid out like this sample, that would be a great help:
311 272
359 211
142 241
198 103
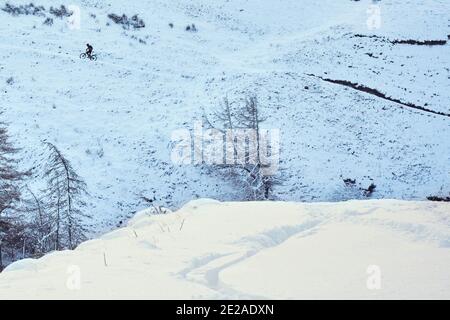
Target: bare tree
246 148
13 238
39 223
65 191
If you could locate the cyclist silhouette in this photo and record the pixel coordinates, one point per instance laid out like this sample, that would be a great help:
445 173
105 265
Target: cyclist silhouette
89 50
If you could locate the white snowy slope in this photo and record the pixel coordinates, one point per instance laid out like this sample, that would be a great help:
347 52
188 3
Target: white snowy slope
212 250
113 118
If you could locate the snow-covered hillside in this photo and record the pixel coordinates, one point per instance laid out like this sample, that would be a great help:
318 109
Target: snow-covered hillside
113 118
211 250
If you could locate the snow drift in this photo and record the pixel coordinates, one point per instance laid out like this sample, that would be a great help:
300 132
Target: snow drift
212 250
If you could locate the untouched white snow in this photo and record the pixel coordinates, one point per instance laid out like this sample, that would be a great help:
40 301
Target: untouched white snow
213 250
113 118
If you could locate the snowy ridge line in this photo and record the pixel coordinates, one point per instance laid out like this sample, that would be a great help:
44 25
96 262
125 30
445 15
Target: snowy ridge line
378 94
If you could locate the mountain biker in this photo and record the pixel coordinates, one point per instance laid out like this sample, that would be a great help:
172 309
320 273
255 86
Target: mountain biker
89 49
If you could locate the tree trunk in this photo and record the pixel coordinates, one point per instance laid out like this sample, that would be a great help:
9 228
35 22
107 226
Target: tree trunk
1 257
58 220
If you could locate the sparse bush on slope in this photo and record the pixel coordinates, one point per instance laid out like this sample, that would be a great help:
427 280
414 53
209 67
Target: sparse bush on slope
48 22
29 9
191 28
439 199
60 12
353 190
126 22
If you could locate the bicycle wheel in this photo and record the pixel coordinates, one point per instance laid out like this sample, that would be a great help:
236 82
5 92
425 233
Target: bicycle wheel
93 57
83 56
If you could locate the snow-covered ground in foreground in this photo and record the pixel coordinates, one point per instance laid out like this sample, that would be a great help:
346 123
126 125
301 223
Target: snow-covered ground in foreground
113 118
214 250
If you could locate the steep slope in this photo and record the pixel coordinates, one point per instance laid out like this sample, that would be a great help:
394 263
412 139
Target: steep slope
113 118
210 250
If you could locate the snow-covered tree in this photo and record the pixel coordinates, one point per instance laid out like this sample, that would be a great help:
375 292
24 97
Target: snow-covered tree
64 197
246 148
39 227
10 176
10 180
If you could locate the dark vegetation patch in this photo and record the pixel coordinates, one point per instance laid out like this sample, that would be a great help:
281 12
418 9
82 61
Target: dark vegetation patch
191 28
356 190
48 22
438 199
404 41
28 9
140 40
134 22
60 12
379 94
421 43
40 11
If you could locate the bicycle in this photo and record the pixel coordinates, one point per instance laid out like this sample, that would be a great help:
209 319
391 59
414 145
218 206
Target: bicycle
91 57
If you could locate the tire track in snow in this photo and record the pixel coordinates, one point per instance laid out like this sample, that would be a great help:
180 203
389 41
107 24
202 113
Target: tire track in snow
206 270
